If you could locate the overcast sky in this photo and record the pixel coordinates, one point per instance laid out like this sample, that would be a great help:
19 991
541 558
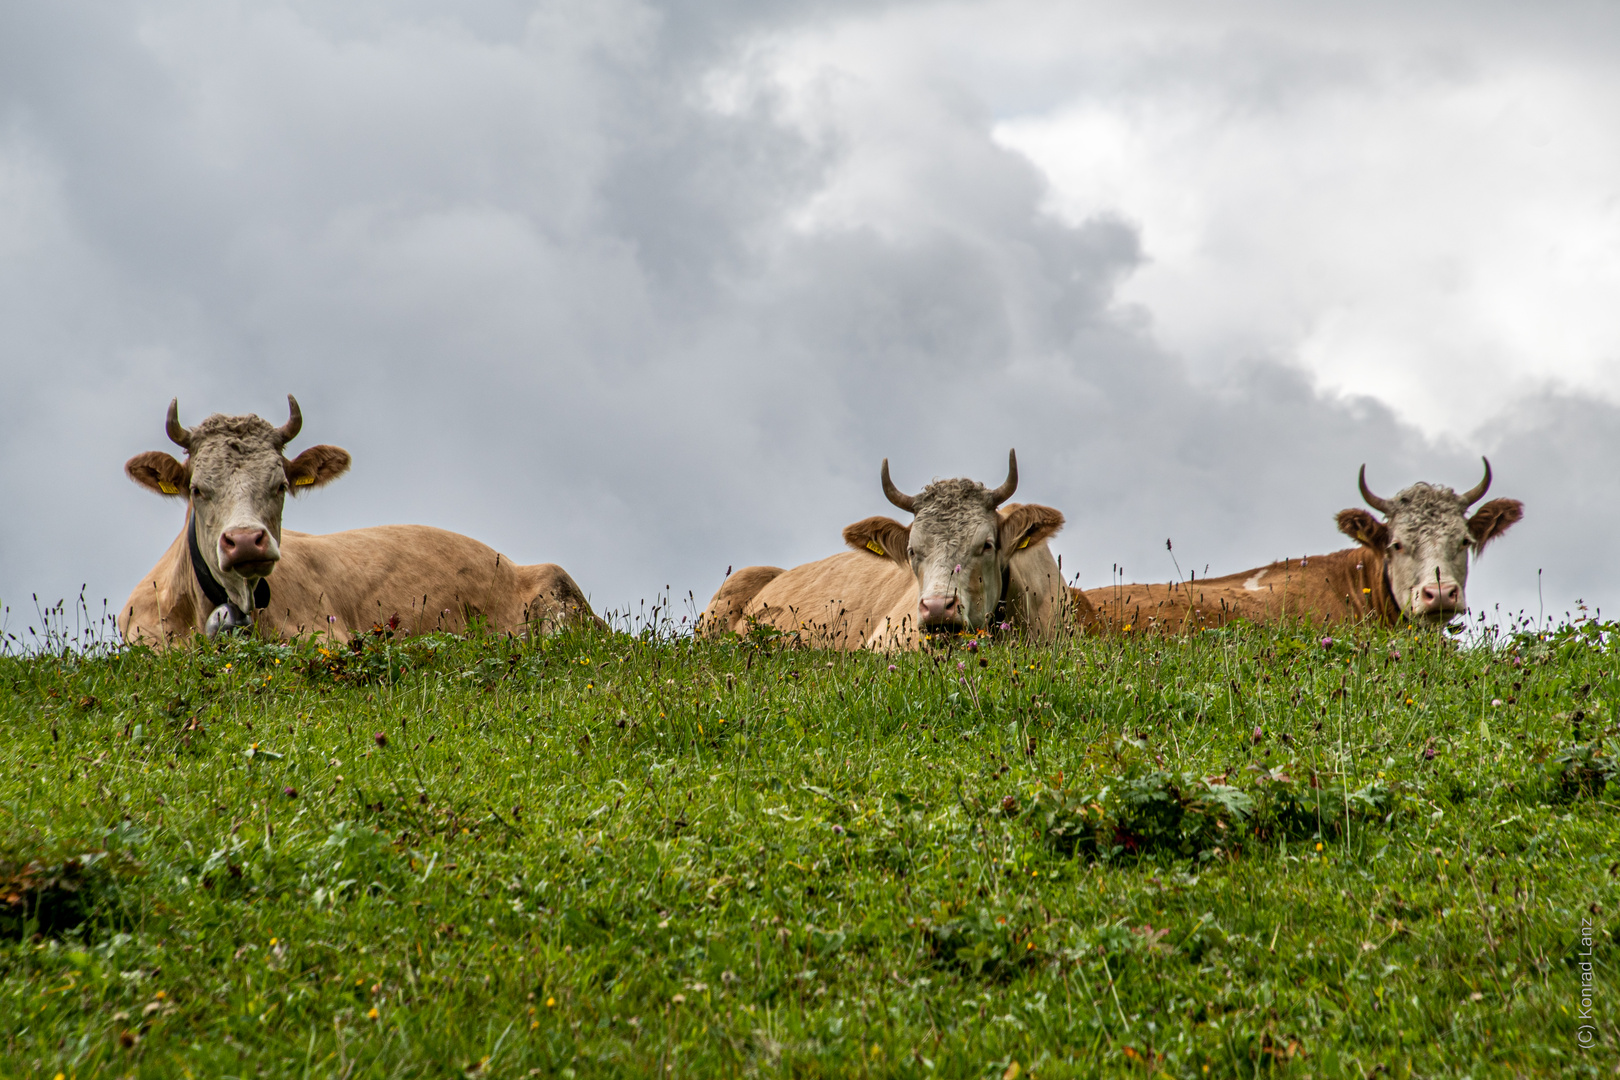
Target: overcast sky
650 290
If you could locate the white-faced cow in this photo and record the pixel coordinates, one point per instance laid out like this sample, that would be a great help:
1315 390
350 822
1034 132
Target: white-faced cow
234 567
968 561
1413 565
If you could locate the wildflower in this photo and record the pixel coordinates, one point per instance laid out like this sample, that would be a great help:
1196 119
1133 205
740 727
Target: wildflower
893 668
1258 734
1319 845
373 1014
1496 702
382 740
961 666
1327 643
838 829
290 792
973 646
551 1003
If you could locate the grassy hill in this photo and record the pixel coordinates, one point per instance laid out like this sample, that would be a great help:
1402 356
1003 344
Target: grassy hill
1251 851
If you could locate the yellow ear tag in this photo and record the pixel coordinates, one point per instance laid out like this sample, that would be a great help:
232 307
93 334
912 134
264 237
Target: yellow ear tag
303 481
1025 544
875 547
167 488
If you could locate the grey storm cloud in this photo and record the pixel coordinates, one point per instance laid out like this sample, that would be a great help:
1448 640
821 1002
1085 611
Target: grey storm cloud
514 259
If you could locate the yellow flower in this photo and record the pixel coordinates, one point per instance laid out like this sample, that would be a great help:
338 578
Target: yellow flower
1319 845
551 1003
273 941
373 1014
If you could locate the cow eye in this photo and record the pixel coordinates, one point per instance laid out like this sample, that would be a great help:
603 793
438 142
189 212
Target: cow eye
989 545
1398 546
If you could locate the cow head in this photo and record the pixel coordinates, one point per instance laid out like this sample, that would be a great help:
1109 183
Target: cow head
235 481
957 546
1425 538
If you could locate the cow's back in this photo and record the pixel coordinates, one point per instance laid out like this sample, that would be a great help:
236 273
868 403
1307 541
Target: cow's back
727 612
430 579
1318 589
837 602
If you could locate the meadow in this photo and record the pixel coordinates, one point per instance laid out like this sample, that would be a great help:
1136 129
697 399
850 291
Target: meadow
1249 851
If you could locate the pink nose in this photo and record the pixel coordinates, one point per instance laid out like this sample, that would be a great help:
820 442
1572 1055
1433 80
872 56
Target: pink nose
1441 596
938 610
239 547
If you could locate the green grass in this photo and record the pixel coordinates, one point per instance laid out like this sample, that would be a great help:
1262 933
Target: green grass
1238 854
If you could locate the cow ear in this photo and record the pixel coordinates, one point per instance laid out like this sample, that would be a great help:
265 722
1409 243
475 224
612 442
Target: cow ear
881 536
1363 528
1492 520
1026 524
316 466
157 471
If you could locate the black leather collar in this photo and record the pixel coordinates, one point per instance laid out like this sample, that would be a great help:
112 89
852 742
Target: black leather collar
999 616
205 579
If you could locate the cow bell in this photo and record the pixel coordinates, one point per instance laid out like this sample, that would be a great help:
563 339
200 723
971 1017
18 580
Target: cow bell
229 618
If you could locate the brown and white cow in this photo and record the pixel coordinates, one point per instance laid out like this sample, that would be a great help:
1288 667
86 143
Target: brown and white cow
234 567
1413 565
967 562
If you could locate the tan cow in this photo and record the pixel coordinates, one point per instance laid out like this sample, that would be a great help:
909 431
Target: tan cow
1412 565
233 566
965 563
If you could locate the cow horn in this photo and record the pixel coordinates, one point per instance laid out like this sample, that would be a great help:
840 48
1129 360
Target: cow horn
905 502
1004 492
1381 505
1474 494
178 433
287 432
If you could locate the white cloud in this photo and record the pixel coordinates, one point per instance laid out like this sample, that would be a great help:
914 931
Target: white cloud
1443 234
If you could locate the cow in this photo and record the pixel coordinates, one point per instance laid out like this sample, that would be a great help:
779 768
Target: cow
1411 566
233 567
969 562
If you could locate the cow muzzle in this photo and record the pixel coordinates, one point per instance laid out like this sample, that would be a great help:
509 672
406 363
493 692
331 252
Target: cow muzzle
249 552
1438 599
940 613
